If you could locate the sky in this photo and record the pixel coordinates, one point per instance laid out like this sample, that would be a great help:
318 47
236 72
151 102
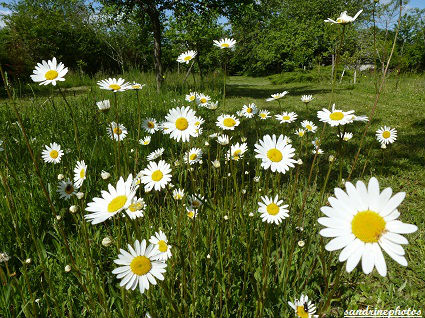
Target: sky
412 4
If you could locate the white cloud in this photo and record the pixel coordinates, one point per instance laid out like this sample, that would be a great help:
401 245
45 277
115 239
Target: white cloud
3 12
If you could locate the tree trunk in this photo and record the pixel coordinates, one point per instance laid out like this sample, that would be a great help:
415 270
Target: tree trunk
157 52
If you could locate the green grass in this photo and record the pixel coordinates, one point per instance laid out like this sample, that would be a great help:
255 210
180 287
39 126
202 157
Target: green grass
251 267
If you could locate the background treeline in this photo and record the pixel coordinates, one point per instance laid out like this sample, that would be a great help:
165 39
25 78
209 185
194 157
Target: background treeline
274 36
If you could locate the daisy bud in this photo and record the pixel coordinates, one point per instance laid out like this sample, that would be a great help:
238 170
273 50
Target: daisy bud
257 179
105 175
207 143
60 176
73 208
106 241
226 217
67 268
80 195
176 163
259 190
37 300
251 214
299 228
301 243
243 191
331 158
299 161
246 172
216 164
58 217
191 169
383 146
208 256
131 150
28 261
200 162
243 139
229 174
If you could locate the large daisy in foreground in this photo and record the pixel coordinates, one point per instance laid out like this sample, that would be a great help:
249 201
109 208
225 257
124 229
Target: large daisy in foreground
186 57
344 18
139 267
275 153
49 72
117 199
363 221
180 123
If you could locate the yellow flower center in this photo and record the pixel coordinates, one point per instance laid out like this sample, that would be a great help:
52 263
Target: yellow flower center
151 124
136 86
182 123
386 134
274 155
114 87
191 98
140 265
193 156
157 175
51 75
134 207
262 115
69 189
225 45
117 203
54 154
229 122
188 58
82 173
286 117
368 226
203 100
196 203
272 209
301 133
336 116
117 131
162 246
309 127
191 214
301 312
249 110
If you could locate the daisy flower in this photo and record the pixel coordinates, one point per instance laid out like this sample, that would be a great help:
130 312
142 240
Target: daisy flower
225 43
52 153
178 194
360 118
180 123
335 117
160 243
223 139
136 208
237 151
249 110
386 135
145 141
303 307
363 221
193 156
212 105
150 125
195 202
263 114
156 175
104 105
80 173
344 18
286 117
66 189
191 97
318 151
136 86
277 96
300 132
186 57
117 199
346 137
202 100
191 212
272 210
276 154
307 98
113 84
139 267
155 154
116 131
49 72
309 126
227 122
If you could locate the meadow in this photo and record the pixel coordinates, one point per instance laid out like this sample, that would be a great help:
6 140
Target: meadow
225 262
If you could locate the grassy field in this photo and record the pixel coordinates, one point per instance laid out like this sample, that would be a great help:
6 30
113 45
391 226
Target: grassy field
226 262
